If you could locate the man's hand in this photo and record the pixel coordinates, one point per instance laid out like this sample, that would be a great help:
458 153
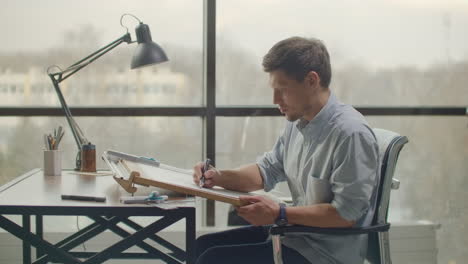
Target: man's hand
259 210
210 175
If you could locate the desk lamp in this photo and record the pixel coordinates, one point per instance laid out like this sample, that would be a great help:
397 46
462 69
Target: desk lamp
146 53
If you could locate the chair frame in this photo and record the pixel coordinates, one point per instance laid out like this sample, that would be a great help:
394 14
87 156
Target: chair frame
378 231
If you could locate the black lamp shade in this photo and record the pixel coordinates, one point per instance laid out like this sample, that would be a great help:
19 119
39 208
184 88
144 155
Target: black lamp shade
147 52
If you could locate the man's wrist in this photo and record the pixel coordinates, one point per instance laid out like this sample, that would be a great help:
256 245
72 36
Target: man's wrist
217 177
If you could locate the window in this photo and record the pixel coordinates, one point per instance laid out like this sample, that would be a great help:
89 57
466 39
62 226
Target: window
383 53
48 37
386 55
161 137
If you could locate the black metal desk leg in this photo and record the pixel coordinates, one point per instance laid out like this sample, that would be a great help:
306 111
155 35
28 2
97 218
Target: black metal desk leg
26 245
190 236
39 233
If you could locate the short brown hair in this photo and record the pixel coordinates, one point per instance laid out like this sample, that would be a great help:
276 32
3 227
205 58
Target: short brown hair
298 56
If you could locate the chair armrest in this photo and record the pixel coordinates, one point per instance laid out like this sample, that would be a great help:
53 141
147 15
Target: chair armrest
281 230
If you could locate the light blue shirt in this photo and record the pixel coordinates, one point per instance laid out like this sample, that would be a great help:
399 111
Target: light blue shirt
331 159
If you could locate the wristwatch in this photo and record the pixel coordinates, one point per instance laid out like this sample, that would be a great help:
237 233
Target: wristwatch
282 219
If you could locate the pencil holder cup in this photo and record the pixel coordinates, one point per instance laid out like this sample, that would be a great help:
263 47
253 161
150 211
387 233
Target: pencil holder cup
52 162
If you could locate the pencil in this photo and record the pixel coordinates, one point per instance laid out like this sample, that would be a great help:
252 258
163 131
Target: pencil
46 142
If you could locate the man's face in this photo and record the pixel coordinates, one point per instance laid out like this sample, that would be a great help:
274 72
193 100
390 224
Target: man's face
291 96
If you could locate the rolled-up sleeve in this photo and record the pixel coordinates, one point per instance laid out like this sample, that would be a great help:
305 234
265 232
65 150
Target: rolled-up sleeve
354 175
271 166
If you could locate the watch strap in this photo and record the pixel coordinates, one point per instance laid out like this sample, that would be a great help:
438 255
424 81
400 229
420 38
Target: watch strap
282 218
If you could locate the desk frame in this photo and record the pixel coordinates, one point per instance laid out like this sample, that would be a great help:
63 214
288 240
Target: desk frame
105 218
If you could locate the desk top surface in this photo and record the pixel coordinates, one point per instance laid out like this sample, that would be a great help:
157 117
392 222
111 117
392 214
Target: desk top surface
34 189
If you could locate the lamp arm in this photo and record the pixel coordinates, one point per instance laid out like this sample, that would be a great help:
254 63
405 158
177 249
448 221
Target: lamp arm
124 38
71 122
58 77
72 69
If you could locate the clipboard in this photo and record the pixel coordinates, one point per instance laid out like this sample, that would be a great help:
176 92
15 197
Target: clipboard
130 170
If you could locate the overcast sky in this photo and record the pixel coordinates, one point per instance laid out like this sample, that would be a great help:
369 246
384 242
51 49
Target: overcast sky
374 32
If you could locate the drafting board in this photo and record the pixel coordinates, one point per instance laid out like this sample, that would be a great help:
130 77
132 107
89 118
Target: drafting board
130 170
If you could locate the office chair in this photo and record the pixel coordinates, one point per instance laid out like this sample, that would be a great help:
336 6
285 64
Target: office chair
378 251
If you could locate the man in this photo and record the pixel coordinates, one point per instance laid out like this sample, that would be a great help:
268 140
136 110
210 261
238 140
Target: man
327 153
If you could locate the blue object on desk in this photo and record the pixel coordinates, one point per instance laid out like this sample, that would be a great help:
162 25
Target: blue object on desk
154 196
